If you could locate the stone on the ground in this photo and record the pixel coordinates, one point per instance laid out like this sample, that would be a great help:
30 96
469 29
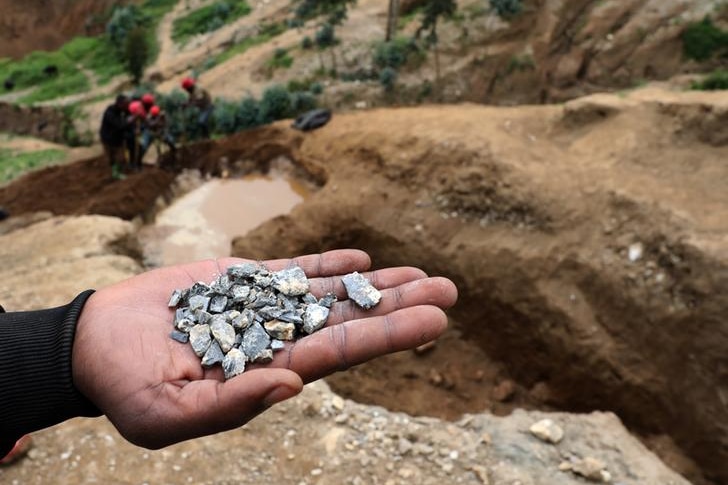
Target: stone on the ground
548 431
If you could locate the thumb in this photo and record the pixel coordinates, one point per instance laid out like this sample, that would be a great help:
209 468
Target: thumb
212 406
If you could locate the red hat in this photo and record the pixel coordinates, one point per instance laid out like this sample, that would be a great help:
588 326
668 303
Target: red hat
188 83
154 110
137 108
148 99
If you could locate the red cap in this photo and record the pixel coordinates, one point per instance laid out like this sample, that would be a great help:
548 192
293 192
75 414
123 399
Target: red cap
137 108
188 83
148 99
154 110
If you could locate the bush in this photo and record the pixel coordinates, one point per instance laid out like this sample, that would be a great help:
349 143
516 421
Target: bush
275 104
302 101
123 21
702 39
281 60
714 81
394 53
388 78
248 115
225 114
136 53
506 8
208 19
316 88
325 36
307 43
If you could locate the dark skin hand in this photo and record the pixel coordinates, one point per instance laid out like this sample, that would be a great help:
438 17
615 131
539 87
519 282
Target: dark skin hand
154 390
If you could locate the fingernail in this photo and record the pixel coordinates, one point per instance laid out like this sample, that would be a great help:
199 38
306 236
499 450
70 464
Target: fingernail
278 394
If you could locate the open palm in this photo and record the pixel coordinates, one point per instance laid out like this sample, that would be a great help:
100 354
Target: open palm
154 390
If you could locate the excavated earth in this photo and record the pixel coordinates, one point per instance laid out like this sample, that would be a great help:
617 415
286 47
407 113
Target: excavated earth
588 241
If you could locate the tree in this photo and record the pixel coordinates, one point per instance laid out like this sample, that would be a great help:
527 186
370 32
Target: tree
392 18
136 53
432 11
506 8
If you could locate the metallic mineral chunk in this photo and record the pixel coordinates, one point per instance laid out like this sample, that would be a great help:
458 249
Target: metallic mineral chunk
276 345
244 270
361 291
181 337
291 282
239 293
200 339
315 318
255 341
214 355
218 303
223 332
280 330
199 302
175 298
234 363
328 300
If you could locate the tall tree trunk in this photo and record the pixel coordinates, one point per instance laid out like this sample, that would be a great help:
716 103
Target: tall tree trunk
392 19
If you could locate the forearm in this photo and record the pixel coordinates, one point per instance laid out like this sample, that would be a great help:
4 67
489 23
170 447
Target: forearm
36 384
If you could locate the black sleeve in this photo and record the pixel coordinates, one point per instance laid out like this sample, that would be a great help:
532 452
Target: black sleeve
36 382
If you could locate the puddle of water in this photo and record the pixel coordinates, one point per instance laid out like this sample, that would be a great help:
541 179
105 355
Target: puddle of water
203 223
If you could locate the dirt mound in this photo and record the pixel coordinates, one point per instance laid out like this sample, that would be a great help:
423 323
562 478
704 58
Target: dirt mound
85 187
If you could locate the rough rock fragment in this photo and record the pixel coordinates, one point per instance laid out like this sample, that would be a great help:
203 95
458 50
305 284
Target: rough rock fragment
200 339
264 357
328 300
280 330
239 293
291 282
233 363
361 291
213 356
218 303
591 469
175 298
243 270
276 345
199 302
223 332
184 325
181 337
314 318
548 431
255 341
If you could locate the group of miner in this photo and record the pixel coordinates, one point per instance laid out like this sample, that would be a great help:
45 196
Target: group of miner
131 125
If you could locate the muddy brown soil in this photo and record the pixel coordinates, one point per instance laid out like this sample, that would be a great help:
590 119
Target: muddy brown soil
587 241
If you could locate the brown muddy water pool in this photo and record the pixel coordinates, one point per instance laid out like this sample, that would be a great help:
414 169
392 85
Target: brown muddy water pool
202 223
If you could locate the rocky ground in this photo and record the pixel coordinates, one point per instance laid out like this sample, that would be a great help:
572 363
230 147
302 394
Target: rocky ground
587 241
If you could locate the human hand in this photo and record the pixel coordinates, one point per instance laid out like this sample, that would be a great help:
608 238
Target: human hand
156 393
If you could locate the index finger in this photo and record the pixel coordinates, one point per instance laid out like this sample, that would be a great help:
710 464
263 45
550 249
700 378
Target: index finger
336 262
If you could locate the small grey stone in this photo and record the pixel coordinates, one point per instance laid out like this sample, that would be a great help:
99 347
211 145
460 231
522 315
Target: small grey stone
231 315
221 284
288 303
218 303
276 345
200 339
181 337
198 289
255 341
361 291
547 430
244 320
223 332
239 293
291 282
308 298
199 302
263 300
244 270
264 357
175 298
328 300
280 330
315 318
202 317
291 317
262 280
214 355
181 313
270 312
238 340
233 363
184 325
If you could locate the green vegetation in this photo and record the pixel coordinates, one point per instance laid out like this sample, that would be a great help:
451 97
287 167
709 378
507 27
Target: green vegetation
208 19
432 12
136 53
388 78
713 81
266 33
103 55
281 60
520 63
14 164
396 53
506 8
702 40
405 20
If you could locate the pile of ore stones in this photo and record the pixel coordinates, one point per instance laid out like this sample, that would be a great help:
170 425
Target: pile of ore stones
249 313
